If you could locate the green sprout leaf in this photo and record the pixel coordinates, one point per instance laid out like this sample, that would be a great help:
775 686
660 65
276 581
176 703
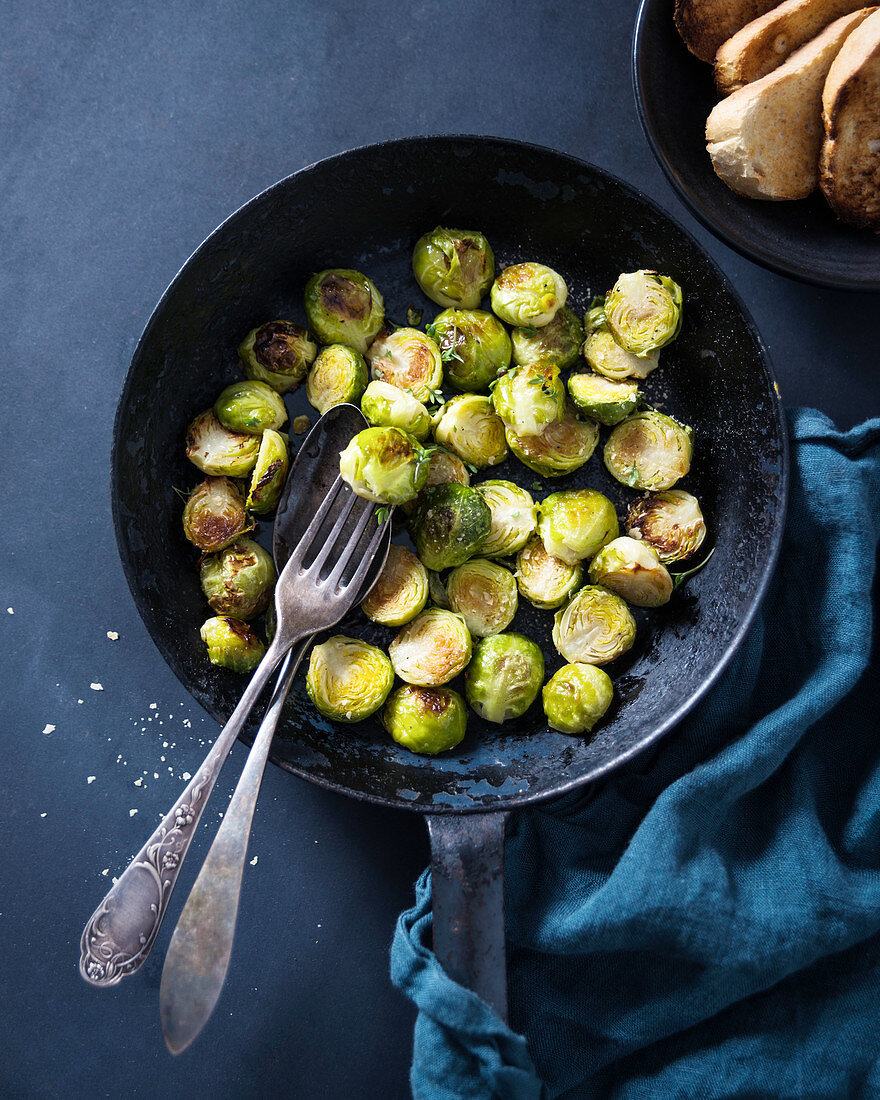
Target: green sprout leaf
413 317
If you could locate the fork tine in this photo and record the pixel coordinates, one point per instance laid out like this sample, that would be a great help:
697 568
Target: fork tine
330 541
366 561
308 535
348 551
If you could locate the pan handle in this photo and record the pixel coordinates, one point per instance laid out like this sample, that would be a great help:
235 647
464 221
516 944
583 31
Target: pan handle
467 889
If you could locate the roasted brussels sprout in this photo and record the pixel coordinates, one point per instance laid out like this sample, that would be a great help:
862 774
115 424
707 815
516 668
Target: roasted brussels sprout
217 450
576 524
649 451
643 311
432 649
474 347
269 474
422 719
561 448
543 579
671 522
514 517
401 590
408 359
450 525
437 589
454 267
443 467
278 353
339 375
250 407
603 353
239 580
468 426
504 676
529 398
633 570
528 294
385 465
214 514
604 399
576 697
594 627
485 594
344 307
558 342
386 406
348 679
232 643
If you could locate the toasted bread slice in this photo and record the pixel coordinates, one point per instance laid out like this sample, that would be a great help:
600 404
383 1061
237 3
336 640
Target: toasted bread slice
762 45
765 139
705 24
850 163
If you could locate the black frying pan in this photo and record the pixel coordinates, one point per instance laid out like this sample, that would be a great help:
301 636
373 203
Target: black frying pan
365 209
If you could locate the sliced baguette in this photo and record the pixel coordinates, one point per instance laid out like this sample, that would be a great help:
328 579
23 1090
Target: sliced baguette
765 139
705 24
762 45
850 162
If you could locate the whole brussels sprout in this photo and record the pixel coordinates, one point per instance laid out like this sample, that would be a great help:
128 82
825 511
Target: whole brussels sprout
605 356
671 522
468 426
633 570
543 579
217 450
514 517
528 294
594 627
408 359
232 643
560 449
485 594
386 406
576 524
643 311
214 514
558 342
576 697
450 525
348 679
239 580
269 474
344 307
250 407
338 376
649 451
278 353
454 267
428 720
432 649
401 590
474 347
529 398
443 467
504 676
604 399
384 465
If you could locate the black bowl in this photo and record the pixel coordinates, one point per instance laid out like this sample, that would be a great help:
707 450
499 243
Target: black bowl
674 94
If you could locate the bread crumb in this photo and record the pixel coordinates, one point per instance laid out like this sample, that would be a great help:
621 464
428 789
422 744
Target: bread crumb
90 778
186 776
131 813
154 706
139 782
254 861
9 611
112 635
48 728
105 872
96 687
42 815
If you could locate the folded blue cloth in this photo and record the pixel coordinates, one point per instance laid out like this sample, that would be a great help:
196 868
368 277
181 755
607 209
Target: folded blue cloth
705 923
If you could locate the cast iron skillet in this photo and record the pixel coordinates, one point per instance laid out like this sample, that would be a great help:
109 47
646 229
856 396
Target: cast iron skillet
365 209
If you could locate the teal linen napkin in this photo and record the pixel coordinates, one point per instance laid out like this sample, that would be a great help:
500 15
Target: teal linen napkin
706 923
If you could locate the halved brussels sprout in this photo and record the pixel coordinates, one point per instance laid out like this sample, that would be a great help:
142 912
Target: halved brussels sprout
529 398
543 579
432 649
558 342
239 580
437 589
348 679
214 514
217 450
269 474
604 399
450 525
576 524
514 517
344 307
576 697
408 359
468 426
504 676
454 267
422 719
671 522
250 407
232 643
474 346
386 406
633 570
603 353
561 448
339 375
649 451
528 294
643 310
401 590
384 465
278 353
594 627
485 594
443 467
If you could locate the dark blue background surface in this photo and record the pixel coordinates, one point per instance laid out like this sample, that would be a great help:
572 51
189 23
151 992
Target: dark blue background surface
127 135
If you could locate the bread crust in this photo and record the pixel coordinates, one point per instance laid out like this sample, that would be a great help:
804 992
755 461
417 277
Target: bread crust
705 24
